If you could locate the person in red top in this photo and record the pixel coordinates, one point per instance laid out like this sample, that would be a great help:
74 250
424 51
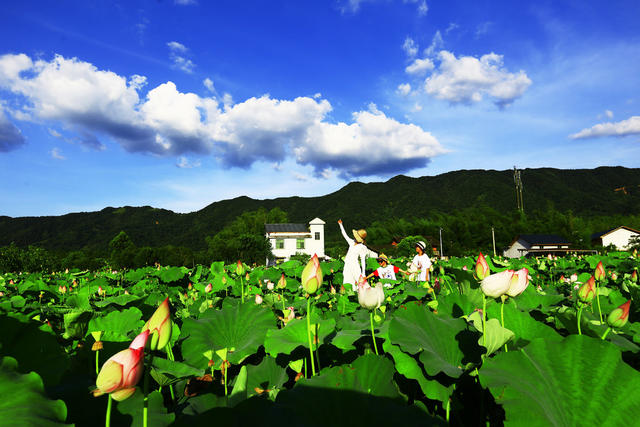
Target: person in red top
386 270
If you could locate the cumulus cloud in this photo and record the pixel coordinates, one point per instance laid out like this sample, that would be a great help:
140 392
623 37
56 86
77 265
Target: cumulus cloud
419 66
178 55
404 89
467 79
96 104
630 126
410 47
436 44
10 136
208 83
184 163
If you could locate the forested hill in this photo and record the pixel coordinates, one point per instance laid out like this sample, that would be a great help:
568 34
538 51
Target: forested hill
585 192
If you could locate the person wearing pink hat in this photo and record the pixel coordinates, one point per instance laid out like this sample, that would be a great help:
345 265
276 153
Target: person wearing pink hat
353 269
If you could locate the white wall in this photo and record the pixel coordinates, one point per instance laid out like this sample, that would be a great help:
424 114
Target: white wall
619 238
312 245
513 251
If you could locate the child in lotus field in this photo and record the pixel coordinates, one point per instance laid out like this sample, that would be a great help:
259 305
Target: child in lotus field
421 263
386 270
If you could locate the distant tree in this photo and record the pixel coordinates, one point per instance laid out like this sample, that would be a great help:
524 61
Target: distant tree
123 251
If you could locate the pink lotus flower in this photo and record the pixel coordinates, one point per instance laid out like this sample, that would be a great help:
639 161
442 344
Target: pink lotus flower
497 284
600 273
159 326
574 278
482 267
120 374
208 288
519 282
619 316
312 275
258 299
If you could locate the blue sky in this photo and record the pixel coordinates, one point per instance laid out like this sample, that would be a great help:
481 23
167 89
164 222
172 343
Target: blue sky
177 104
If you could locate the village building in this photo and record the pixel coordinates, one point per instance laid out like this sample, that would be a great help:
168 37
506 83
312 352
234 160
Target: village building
620 237
537 244
290 239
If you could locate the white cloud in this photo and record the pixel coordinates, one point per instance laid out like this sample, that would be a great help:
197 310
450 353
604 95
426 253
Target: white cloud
452 26
467 79
208 83
436 44
300 177
630 126
404 89
317 95
177 54
56 154
55 133
185 163
423 8
419 66
410 47
608 113
92 102
416 107
10 136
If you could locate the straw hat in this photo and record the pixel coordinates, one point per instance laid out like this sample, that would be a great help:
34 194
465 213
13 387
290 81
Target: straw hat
383 257
360 235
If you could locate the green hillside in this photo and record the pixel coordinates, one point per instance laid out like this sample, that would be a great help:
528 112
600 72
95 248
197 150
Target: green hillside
586 192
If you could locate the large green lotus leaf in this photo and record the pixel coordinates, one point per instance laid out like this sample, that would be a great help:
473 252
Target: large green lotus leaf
577 381
131 408
175 369
345 338
458 305
265 378
24 402
75 323
408 366
525 327
416 330
121 300
239 392
35 349
117 325
241 328
171 274
134 276
362 393
531 299
294 335
496 335
344 306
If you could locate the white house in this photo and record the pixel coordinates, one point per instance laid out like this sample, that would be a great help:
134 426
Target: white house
620 237
537 244
289 239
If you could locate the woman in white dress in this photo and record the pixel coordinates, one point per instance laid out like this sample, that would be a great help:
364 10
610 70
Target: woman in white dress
357 249
421 263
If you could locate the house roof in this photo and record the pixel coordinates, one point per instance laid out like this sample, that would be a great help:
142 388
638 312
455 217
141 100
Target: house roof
604 233
543 239
286 228
317 221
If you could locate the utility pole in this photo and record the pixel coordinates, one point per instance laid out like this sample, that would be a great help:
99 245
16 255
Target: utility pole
441 254
493 236
517 179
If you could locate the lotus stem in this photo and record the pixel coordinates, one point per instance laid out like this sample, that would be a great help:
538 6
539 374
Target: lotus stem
145 409
313 367
107 420
506 349
242 289
598 301
606 332
318 346
448 409
373 333
579 316
226 368
484 320
171 357
97 362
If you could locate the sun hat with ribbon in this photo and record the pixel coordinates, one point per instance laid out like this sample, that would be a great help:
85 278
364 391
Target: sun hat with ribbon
360 235
422 245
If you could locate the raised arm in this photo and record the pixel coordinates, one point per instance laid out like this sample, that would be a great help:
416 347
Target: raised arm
344 234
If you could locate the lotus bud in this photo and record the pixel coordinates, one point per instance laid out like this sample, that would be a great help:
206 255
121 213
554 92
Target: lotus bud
519 282
619 316
342 290
312 275
63 289
100 291
614 276
587 292
190 286
208 288
634 276
159 326
482 268
600 272
120 374
239 268
258 299
496 285
270 285
464 267
1 294
246 276
332 290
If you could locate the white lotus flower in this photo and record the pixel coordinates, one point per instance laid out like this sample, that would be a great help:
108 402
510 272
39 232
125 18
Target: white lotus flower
497 284
370 298
519 282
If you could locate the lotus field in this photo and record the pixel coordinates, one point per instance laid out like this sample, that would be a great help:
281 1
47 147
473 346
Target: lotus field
548 341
